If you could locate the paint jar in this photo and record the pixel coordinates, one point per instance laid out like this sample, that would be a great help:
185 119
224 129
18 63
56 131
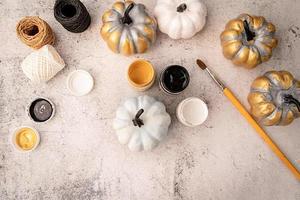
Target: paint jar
80 82
25 139
192 112
141 75
174 79
41 110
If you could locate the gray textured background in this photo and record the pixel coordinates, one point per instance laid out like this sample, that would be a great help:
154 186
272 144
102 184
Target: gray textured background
79 156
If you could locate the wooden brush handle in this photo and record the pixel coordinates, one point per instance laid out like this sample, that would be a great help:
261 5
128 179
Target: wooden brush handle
261 132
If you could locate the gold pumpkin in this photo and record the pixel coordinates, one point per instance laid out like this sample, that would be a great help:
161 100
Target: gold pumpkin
248 40
274 98
128 29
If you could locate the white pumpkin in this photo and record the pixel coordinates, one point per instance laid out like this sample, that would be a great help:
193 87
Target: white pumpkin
141 123
180 19
42 64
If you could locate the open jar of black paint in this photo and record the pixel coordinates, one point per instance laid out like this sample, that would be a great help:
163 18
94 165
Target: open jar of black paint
174 79
41 110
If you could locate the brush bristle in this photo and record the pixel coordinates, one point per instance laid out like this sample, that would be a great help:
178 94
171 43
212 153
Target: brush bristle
201 64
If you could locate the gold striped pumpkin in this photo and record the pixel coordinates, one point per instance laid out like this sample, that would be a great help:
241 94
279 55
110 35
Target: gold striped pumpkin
248 40
274 98
128 29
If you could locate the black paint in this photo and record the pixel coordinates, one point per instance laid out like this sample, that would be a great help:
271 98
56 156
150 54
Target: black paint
175 79
40 110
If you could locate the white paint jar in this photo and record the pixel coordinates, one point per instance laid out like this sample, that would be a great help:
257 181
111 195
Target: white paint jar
80 82
192 112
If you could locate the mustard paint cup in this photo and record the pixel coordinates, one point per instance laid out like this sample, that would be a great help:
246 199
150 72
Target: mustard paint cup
141 75
25 139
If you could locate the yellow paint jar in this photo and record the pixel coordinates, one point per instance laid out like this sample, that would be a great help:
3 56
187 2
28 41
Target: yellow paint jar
26 139
141 75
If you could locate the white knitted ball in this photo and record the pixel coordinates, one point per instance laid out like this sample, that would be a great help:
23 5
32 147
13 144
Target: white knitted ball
42 64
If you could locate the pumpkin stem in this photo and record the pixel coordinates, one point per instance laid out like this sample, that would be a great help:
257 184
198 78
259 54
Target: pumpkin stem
249 34
289 99
126 18
182 7
137 121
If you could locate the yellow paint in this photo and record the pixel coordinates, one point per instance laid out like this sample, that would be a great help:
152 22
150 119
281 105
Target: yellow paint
140 73
26 138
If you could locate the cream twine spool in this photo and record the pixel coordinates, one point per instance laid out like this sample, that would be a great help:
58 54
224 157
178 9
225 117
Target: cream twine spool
43 64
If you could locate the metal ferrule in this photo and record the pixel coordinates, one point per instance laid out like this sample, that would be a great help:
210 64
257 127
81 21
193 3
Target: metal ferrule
217 81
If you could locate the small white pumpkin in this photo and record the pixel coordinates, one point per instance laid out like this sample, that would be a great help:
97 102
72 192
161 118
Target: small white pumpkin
141 123
180 19
42 64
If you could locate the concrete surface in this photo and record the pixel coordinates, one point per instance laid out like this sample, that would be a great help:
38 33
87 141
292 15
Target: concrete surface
79 156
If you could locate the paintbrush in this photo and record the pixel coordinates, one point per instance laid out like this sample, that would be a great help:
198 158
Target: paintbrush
251 120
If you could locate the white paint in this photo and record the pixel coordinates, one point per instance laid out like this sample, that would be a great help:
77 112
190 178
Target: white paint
80 82
192 112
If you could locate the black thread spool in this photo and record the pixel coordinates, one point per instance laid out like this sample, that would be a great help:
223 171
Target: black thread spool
72 15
